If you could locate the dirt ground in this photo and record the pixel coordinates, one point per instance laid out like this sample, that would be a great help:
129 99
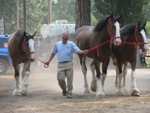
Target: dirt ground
44 95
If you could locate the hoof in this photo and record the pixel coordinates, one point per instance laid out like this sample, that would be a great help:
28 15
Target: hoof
23 92
100 94
93 85
16 92
125 92
119 92
135 92
86 92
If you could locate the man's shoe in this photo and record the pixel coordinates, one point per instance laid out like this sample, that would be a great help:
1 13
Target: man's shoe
64 93
69 96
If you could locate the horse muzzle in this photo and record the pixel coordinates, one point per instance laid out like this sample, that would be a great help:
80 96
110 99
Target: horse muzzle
31 57
117 42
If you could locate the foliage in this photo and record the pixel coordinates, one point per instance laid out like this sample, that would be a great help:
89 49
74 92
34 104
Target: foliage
148 27
132 10
37 13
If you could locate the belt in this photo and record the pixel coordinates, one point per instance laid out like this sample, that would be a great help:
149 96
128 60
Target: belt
65 62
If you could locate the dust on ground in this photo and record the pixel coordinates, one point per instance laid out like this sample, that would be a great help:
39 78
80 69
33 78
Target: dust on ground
44 94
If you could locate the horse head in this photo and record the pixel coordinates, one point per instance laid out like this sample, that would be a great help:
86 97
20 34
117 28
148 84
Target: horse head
28 46
114 29
141 37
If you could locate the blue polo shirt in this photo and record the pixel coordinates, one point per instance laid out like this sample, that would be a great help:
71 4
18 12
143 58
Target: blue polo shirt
65 51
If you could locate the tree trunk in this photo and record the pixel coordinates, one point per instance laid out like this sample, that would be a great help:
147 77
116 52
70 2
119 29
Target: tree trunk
82 10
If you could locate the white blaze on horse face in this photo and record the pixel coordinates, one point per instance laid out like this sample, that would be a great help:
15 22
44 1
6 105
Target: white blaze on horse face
117 41
145 39
31 47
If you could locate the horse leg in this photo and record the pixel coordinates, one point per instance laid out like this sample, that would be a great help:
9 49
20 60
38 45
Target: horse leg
135 91
84 71
124 74
124 79
16 76
119 75
100 92
25 77
94 81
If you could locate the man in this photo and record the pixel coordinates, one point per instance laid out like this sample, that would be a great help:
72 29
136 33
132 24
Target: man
65 50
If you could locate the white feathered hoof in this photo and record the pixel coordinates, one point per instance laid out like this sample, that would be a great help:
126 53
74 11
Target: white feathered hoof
135 92
93 85
125 92
100 94
23 92
86 92
16 92
119 92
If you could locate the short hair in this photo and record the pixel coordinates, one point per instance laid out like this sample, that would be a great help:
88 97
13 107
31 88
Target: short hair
65 35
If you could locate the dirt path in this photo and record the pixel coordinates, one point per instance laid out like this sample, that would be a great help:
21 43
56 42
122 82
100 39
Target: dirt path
45 95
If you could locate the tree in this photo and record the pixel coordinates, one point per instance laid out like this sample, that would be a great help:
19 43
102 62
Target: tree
130 9
82 13
37 13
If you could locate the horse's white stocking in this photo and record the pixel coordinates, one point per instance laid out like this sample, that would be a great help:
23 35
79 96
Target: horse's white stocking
25 76
94 81
119 91
86 87
103 79
124 80
124 75
100 92
135 91
17 89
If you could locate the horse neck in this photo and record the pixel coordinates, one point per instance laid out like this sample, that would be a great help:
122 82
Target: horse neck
102 36
128 38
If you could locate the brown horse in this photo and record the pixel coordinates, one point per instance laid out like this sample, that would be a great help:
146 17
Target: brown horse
21 49
104 33
132 36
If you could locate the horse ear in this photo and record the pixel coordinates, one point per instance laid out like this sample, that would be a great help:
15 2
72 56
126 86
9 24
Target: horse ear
120 16
34 34
111 16
24 33
139 23
144 24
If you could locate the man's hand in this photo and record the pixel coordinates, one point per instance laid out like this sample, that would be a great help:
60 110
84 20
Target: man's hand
85 51
46 64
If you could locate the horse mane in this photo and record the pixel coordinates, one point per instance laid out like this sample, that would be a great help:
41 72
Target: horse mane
128 29
19 34
101 24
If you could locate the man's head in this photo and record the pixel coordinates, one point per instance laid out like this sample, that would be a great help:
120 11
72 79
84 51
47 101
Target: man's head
65 38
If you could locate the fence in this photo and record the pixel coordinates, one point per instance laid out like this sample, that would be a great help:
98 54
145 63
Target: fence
44 46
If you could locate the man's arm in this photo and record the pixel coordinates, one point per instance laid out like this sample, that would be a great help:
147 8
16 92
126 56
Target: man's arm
82 52
51 57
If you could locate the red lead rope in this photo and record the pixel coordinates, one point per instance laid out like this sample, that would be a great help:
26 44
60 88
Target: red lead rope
136 40
45 64
111 38
27 53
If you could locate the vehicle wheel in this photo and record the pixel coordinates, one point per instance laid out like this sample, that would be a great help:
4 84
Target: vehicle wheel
3 66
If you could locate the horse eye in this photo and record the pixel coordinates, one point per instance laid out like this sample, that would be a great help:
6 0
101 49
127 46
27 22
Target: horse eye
140 34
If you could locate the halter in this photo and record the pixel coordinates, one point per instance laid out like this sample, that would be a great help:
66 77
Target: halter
136 40
111 38
26 50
